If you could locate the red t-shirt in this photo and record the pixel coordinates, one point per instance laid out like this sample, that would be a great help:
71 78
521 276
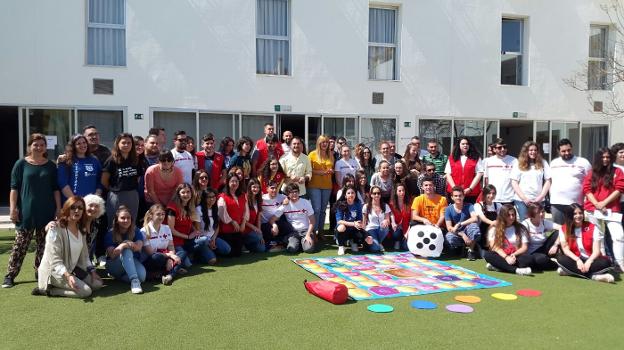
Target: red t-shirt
183 224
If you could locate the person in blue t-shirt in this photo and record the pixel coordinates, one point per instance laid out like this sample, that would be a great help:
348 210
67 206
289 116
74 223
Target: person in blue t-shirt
79 173
461 223
123 248
348 219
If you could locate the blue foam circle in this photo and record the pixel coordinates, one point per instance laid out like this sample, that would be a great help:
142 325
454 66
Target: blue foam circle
423 304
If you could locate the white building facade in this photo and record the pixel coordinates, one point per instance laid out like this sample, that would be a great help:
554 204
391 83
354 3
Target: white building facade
365 70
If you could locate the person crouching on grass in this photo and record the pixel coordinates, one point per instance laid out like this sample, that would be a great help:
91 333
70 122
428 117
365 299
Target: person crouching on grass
65 268
160 255
461 223
349 220
580 243
300 215
123 248
508 242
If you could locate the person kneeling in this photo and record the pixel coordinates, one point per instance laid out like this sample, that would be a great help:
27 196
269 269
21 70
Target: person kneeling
349 220
300 215
65 268
461 223
580 243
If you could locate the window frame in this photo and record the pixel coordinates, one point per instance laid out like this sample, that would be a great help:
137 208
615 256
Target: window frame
605 84
89 25
522 78
287 38
395 45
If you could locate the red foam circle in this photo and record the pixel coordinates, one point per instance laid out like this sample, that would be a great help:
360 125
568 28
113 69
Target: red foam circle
529 293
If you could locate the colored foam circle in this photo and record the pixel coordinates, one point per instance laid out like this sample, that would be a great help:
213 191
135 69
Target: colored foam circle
380 308
423 305
468 299
529 293
504 296
460 308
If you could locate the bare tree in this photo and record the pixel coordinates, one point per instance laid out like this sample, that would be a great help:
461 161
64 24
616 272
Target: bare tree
601 75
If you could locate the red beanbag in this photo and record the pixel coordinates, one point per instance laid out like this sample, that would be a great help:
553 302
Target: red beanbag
333 292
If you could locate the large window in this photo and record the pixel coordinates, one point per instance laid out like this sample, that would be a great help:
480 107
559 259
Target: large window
106 33
273 37
253 125
512 51
473 130
220 125
593 137
597 67
109 124
375 130
382 44
174 121
438 129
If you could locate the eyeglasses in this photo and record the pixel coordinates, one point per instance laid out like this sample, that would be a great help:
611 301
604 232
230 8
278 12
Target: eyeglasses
376 193
76 207
203 177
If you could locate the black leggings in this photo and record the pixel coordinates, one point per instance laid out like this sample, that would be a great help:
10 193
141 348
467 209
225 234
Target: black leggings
283 227
524 260
541 260
351 233
600 265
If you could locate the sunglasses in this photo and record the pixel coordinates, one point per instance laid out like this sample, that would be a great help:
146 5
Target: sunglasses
74 207
203 177
501 147
376 193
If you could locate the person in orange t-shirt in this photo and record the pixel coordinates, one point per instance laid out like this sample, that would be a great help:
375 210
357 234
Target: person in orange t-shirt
428 208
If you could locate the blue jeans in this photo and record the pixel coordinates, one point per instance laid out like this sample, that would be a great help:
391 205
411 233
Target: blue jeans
522 210
398 236
319 198
472 231
378 234
126 267
204 254
184 256
253 242
157 263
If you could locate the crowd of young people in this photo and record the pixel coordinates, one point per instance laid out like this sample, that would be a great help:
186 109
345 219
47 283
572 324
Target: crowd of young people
169 209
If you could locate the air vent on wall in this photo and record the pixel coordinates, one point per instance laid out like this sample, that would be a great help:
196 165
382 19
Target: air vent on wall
378 98
103 86
597 106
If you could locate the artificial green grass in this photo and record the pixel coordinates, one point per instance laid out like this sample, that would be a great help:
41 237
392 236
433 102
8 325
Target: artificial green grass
258 301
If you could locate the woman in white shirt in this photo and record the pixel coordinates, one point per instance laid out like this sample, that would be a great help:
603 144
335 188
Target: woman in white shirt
376 220
160 255
542 246
530 178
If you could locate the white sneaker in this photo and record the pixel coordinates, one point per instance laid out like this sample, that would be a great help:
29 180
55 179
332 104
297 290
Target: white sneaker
101 261
562 272
354 247
341 250
491 267
167 280
135 286
604 277
524 271
397 245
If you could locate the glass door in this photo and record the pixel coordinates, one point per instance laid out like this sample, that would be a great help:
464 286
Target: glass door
54 123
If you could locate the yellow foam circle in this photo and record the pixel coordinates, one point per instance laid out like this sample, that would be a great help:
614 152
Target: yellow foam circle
504 296
468 299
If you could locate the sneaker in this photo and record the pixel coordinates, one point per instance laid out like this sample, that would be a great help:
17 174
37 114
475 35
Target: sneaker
276 248
167 280
471 255
354 247
397 245
524 271
604 277
8 282
341 250
135 286
562 272
244 250
38 292
491 267
101 261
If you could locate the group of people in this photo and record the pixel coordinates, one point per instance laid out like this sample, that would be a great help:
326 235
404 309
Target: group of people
169 209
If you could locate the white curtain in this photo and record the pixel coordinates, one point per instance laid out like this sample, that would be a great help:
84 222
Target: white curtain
381 30
272 44
106 45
